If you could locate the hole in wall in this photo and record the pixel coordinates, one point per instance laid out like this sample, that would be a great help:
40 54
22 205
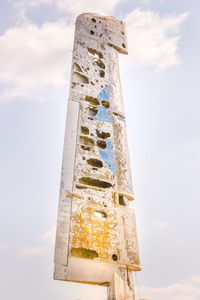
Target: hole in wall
80 187
95 162
95 182
95 53
91 32
92 100
77 67
123 45
106 104
85 148
94 20
101 144
100 214
121 200
93 111
100 64
102 134
85 130
114 257
102 73
80 78
84 253
86 141
73 85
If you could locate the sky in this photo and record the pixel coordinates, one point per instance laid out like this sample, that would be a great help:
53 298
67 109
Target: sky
160 84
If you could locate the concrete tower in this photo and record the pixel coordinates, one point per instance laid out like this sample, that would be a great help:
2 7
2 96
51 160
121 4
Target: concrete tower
96 239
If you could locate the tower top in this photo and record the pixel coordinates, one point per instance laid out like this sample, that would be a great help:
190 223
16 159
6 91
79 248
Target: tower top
105 28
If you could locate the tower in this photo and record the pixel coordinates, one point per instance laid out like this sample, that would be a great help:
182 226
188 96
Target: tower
96 240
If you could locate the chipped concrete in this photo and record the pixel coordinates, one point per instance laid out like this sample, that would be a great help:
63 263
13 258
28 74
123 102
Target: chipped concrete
96 231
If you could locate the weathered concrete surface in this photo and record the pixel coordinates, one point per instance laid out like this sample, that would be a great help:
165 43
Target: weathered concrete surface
96 231
121 288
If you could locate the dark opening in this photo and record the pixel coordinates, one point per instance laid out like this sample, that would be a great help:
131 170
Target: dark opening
94 20
91 32
95 53
93 111
81 78
85 148
123 45
85 140
102 73
92 100
102 134
95 182
100 64
84 253
77 67
95 162
106 104
121 200
100 214
84 130
101 144
78 186
114 257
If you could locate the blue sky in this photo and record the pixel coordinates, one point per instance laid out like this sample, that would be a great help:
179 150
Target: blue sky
160 83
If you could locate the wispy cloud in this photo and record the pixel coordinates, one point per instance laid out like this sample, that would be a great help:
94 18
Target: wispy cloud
34 250
49 236
44 244
76 7
183 290
161 225
4 247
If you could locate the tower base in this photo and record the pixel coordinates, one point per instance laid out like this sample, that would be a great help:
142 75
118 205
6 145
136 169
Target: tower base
121 287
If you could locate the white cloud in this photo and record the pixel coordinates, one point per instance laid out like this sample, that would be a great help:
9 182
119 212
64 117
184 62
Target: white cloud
183 290
152 39
79 6
34 58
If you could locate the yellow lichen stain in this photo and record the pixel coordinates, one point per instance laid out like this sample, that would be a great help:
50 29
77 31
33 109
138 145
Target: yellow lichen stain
91 232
